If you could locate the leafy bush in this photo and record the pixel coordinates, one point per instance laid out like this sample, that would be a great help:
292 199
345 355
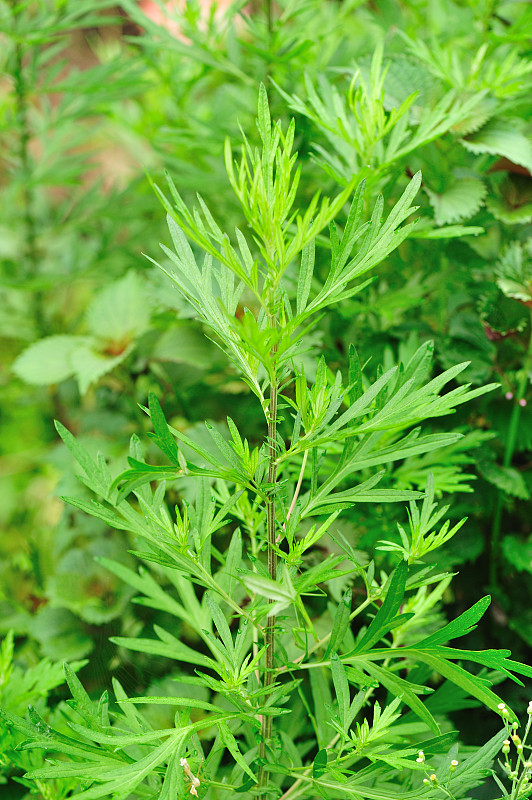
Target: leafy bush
92 94
276 506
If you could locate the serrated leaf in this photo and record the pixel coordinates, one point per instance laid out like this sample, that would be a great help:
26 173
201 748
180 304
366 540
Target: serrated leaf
518 553
460 201
508 213
120 312
501 137
476 118
501 314
48 361
90 364
185 344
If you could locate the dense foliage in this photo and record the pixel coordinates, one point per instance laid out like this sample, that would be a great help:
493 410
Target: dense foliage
283 575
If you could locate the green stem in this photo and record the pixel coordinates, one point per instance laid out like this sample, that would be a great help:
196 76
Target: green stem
507 460
269 637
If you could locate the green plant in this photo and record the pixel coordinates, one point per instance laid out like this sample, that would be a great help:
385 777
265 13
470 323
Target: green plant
455 104
515 282
64 101
518 773
87 329
21 688
276 675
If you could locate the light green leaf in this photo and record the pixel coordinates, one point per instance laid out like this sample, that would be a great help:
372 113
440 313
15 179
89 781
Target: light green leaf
473 685
508 213
81 700
407 691
95 509
322 700
476 118
184 343
266 587
49 360
425 231
460 201
502 137
97 478
182 702
175 650
89 364
120 312
474 769
319 766
232 745
341 687
460 626
305 276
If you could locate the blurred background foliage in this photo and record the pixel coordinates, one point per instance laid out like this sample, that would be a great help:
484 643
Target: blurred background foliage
94 95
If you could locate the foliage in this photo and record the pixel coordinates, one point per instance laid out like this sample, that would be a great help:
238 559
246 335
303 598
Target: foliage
255 677
92 94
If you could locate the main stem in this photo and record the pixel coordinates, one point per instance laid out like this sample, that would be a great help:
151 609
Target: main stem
507 460
269 635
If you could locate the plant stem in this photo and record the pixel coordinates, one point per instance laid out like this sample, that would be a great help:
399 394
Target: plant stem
269 636
507 460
